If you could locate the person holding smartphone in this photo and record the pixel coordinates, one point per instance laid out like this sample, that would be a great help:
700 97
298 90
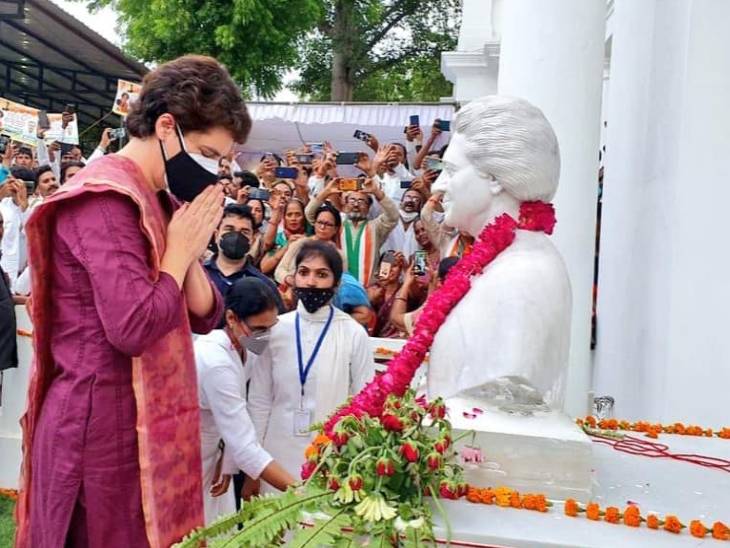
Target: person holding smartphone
360 237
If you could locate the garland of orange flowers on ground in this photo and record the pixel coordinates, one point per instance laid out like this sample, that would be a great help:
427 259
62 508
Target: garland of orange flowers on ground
652 430
11 494
631 516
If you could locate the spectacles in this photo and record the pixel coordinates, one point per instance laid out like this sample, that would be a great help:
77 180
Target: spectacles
324 224
357 201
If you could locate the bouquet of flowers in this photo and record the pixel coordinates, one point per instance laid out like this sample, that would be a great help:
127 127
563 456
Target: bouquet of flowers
363 483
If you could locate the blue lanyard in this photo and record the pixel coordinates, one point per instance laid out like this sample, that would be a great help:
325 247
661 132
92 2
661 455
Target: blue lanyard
304 371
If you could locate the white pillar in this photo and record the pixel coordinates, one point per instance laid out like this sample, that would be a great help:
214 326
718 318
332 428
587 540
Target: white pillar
663 346
473 67
552 55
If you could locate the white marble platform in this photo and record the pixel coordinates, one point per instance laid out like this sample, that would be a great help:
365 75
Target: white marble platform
657 485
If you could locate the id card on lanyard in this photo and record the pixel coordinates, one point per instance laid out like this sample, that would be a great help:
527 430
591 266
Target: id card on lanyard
303 417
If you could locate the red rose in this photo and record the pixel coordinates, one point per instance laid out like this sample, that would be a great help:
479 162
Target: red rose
434 461
409 452
340 439
438 411
333 484
355 482
307 469
448 490
384 467
391 423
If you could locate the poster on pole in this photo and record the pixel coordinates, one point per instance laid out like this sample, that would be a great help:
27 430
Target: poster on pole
18 122
127 93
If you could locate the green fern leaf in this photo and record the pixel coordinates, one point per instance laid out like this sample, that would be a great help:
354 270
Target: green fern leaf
323 533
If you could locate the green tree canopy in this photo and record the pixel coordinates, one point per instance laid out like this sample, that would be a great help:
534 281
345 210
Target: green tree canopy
365 50
256 39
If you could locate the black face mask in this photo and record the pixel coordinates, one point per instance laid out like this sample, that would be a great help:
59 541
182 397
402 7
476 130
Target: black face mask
234 245
187 174
314 298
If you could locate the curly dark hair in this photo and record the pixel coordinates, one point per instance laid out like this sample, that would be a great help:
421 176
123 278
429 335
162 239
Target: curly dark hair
197 91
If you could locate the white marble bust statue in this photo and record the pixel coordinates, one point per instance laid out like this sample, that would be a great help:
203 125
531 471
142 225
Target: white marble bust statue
507 341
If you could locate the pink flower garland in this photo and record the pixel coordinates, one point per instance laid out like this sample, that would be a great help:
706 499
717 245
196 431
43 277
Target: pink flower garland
494 238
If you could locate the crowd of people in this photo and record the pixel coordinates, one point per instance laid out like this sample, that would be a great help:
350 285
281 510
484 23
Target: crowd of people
307 263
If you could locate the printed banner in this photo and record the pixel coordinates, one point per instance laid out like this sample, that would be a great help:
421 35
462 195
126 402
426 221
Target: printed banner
127 93
20 123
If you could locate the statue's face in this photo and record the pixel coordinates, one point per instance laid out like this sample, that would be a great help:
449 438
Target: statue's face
467 193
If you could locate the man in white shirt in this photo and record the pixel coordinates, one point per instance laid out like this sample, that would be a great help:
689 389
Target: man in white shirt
13 203
403 237
228 439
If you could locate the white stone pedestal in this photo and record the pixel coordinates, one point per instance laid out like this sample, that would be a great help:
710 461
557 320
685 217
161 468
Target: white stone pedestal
543 453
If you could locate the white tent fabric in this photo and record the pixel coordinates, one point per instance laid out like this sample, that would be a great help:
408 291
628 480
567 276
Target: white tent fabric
282 126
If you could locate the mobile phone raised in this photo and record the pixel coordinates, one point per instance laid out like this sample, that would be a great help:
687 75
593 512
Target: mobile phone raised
419 263
361 135
443 125
43 121
347 158
117 133
259 194
414 121
348 185
434 164
286 172
305 159
406 184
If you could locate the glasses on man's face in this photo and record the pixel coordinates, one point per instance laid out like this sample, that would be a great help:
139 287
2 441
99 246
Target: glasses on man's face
357 201
324 224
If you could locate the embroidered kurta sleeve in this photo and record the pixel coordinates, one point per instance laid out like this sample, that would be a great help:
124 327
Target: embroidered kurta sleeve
223 392
362 366
261 393
103 233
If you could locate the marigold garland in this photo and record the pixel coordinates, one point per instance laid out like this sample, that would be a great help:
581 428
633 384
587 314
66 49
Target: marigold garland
652 430
631 516
11 494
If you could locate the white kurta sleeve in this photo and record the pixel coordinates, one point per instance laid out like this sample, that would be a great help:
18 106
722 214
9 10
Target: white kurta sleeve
362 366
261 393
223 392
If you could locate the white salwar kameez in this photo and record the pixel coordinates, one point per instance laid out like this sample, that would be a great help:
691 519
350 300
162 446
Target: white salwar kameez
222 380
342 367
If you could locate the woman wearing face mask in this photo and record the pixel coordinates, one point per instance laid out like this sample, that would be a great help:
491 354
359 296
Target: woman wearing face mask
117 290
317 357
293 228
384 292
228 439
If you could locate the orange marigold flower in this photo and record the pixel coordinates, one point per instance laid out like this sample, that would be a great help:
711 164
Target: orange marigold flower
321 439
652 434
624 425
724 433
502 496
529 502
514 500
579 422
591 420
541 503
673 525
652 521
608 424
593 511
678 428
612 515
486 496
720 531
571 508
709 433
473 496
632 516
697 529
311 451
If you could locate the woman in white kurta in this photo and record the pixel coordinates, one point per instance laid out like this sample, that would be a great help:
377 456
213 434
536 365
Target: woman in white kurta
222 378
283 403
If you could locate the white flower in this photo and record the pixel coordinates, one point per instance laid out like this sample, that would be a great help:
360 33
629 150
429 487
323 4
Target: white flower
401 525
375 508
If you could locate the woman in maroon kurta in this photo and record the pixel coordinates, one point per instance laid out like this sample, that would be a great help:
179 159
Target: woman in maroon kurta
111 450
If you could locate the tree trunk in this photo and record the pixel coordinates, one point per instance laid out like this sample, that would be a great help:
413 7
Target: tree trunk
343 34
